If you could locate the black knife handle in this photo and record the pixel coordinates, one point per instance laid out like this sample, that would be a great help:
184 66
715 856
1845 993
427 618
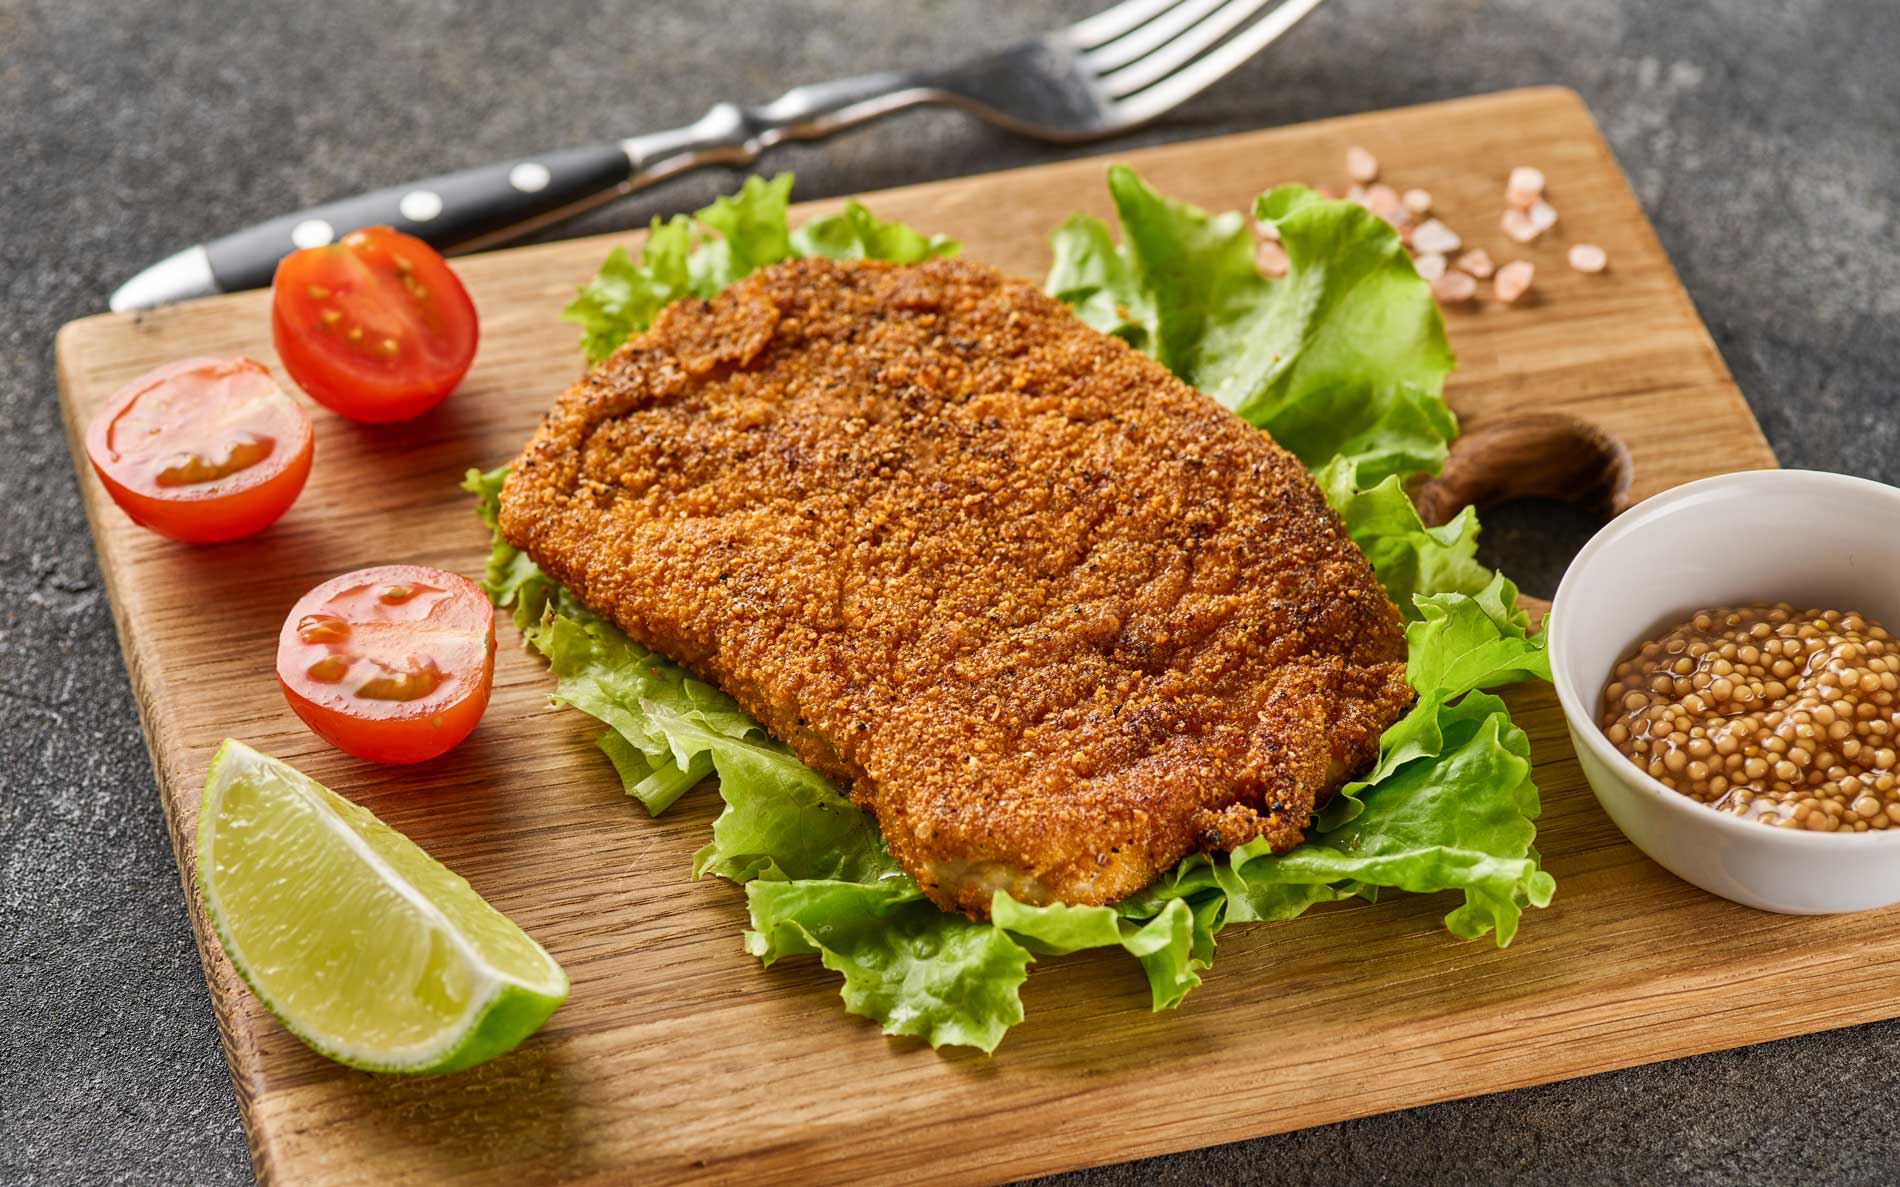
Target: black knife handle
455 210
478 208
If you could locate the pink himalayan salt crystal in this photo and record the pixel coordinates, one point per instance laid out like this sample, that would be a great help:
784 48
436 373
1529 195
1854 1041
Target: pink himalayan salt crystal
1267 230
1454 288
1361 165
1383 200
1518 225
1543 215
1513 281
1524 187
1431 265
1477 263
1588 257
1417 202
1434 236
1271 257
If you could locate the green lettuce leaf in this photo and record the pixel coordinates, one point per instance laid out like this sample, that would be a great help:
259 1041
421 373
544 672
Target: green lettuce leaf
1172 944
1343 357
1457 819
854 233
1343 360
913 968
697 255
1410 558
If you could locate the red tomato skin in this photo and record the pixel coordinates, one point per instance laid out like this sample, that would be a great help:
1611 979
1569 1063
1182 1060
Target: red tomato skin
409 746
275 496
341 398
213 519
384 400
397 736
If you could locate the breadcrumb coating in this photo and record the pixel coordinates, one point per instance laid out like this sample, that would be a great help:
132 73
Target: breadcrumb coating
1057 618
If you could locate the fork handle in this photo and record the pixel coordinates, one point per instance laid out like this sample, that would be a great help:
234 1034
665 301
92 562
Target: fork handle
476 208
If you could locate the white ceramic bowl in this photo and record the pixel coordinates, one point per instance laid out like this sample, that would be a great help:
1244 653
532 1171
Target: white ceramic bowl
1817 540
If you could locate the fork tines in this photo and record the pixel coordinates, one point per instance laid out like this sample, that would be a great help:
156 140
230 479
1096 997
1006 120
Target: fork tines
1151 55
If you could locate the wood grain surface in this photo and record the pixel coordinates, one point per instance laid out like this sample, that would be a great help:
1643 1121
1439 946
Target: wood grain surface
677 1058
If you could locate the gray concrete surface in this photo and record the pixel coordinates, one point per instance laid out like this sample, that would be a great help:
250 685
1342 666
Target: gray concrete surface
1763 139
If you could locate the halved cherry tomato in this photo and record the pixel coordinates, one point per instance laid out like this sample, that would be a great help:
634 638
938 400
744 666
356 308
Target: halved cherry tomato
391 664
375 326
202 450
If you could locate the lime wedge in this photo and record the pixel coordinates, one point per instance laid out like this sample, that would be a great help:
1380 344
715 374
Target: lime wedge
364 946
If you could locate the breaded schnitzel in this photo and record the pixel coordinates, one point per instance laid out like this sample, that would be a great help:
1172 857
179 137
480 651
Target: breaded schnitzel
1058 619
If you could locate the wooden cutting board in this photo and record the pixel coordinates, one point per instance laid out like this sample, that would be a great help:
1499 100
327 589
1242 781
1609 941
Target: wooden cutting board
677 1058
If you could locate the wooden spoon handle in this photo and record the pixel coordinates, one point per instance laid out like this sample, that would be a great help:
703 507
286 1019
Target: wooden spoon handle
1544 455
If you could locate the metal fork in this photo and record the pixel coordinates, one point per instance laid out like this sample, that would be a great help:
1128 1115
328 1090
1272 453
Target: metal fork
1102 75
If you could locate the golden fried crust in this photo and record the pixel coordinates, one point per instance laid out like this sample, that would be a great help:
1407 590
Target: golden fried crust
1056 617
